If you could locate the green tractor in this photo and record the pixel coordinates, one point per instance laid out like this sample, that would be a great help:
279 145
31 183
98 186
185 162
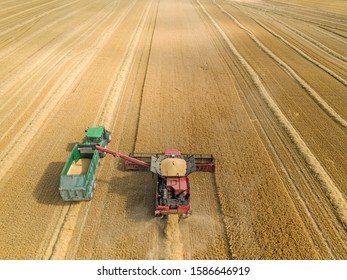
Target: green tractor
98 136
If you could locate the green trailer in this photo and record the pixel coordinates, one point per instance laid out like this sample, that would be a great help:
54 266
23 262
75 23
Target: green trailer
77 179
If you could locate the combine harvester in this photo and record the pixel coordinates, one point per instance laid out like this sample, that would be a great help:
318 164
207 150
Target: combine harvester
171 170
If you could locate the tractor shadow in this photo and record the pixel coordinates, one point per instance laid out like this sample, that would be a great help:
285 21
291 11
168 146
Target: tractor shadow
137 188
47 189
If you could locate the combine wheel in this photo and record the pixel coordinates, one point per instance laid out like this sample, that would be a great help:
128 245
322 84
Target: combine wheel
183 216
164 217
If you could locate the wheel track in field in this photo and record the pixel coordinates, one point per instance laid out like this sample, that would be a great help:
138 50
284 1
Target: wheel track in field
67 220
64 230
217 192
118 116
63 85
332 34
311 40
314 95
332 192
5 3
322 26
36 62
231 236
305 14
300 52
35 8
285 14
23 70
20 5
20 43
307 38
307 213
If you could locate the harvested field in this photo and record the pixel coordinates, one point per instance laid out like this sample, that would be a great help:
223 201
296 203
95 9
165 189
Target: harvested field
260 84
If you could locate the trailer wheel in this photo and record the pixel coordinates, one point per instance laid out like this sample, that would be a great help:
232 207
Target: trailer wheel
102 154
93 189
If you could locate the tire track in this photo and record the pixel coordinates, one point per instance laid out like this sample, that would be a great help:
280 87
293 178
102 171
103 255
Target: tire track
273 9
16 15
17 44
35 63
306 15
53 61
332 192
299 198
300 52
311 40
64 84
124 123
315 96
20 5
336 36
291 29
181 49
59 247
318 221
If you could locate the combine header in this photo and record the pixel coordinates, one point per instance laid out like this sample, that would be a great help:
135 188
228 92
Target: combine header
77 180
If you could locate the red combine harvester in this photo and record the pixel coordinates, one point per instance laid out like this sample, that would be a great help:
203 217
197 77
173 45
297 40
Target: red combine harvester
172 169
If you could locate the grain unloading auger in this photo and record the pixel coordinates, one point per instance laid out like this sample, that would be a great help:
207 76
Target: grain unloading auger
171 169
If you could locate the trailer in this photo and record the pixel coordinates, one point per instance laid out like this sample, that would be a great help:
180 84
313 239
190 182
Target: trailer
77 179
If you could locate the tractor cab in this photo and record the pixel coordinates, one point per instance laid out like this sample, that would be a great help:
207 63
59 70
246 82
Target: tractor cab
97 136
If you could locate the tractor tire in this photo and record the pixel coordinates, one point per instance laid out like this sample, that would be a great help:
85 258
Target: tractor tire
109 137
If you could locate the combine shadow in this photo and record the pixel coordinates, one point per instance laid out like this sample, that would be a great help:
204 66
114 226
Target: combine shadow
47 189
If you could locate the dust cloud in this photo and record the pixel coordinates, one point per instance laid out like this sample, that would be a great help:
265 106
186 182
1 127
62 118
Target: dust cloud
173 240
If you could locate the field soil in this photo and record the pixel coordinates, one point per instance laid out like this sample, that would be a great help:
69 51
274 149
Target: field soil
260 84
